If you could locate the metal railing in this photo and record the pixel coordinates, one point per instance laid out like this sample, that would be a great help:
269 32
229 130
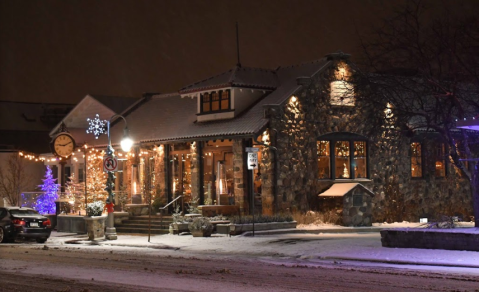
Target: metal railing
162 209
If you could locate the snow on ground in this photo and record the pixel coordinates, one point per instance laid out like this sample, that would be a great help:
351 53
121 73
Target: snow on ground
309 248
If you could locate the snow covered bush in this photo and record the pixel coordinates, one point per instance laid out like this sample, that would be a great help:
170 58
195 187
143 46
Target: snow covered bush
95 208
200 224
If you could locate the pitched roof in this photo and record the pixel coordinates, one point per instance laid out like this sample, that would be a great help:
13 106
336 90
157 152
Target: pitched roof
236 77
118 104
169 117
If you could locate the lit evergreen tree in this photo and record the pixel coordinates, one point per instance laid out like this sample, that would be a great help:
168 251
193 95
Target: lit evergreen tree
96 179
46 202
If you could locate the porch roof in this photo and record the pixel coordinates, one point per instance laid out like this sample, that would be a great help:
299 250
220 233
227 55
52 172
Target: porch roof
341 189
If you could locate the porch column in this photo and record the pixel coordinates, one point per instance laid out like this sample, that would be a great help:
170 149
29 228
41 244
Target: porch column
195 171
240 186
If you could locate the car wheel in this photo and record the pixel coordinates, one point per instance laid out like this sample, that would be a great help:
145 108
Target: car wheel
2 235
41 240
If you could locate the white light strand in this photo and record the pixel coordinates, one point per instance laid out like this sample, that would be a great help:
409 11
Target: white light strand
97 126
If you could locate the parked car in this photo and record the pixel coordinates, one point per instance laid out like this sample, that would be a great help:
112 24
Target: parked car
19 222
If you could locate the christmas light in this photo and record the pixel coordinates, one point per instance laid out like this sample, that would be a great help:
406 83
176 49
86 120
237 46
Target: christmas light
96 126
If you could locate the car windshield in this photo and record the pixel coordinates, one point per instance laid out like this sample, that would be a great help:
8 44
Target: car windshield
23 212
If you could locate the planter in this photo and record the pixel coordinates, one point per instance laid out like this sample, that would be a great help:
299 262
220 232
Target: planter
95 227
71 223
177 228
201 233
235 229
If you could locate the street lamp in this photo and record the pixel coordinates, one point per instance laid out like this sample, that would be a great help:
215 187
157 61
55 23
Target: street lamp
126 144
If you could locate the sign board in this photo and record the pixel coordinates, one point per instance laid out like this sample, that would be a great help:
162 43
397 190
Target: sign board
252 160
110 163
251 149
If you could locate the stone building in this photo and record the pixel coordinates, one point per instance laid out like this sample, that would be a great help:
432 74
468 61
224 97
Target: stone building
311 133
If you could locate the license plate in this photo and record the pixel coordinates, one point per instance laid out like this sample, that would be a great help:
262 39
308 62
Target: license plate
33 224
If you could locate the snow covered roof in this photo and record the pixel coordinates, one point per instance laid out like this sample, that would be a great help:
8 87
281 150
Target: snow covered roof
341 189
172 117
236 77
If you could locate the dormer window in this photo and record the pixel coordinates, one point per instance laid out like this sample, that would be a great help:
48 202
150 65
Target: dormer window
215 101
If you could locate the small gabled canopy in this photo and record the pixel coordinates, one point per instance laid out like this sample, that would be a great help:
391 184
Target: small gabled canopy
342 189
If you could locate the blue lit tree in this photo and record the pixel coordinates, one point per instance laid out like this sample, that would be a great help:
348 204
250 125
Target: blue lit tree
46 202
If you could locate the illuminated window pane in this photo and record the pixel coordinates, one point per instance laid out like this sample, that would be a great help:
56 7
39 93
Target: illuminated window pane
225 100
342 159
360 159
215 101
416 159
324 159
206 102
440 165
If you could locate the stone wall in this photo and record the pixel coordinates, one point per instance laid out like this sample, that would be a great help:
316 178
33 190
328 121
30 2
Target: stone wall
430 239
360 215
307 115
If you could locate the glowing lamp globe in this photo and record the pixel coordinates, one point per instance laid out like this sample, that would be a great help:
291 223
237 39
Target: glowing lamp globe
126 144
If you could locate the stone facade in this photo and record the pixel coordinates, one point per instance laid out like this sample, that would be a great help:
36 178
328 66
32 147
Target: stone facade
307 115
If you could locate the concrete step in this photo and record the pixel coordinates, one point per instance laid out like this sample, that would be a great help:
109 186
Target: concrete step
137 221
133 225
120 229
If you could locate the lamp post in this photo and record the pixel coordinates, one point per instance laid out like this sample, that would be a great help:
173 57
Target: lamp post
126 144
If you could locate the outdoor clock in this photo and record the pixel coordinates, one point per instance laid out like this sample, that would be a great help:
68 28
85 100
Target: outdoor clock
63 145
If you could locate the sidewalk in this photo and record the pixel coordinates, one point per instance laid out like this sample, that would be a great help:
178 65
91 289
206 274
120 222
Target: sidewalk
303 244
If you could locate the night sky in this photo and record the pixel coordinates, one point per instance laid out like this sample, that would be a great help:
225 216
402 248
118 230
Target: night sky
59 51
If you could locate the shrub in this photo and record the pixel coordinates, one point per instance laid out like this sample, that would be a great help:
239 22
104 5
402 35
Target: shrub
95 208
261 219
200 224
310 217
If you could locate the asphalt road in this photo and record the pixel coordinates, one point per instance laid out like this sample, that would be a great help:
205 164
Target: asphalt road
31 267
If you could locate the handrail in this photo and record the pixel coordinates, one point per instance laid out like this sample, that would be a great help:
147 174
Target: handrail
167 205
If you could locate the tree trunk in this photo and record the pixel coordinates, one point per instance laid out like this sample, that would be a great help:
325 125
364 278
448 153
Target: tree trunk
475 194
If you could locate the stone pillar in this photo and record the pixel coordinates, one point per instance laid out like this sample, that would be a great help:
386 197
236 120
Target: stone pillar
267 176
195 171
240 186
160 175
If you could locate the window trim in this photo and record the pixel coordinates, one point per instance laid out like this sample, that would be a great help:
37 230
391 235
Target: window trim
347 137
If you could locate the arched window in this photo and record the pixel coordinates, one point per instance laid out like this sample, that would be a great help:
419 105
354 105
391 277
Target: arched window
342 156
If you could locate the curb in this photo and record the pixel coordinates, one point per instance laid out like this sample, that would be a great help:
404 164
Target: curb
400 262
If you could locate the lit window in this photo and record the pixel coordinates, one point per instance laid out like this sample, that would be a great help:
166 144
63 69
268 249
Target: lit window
341 151
225 100
360 159
416 160
206 102
215 101
440 164
324 159
347 158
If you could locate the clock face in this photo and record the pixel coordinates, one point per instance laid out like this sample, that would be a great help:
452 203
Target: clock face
63 145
